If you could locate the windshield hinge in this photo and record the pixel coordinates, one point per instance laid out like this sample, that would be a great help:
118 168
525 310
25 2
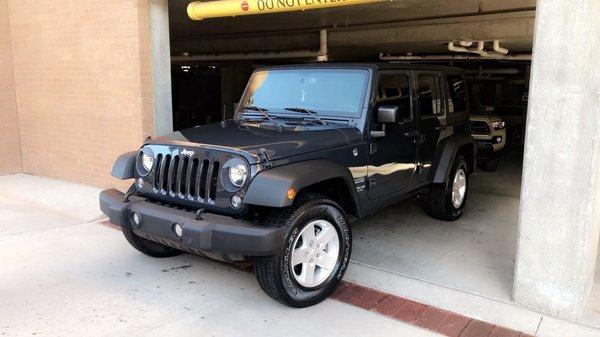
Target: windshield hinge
264 157
130 192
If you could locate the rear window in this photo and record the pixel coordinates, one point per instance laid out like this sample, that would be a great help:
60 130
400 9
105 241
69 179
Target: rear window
457 101
430 101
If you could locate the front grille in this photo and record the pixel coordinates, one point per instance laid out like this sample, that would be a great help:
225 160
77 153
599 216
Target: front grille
185 177
480 128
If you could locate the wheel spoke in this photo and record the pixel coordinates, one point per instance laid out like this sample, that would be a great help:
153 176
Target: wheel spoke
326 235
308 235
326 261
308 271
300 256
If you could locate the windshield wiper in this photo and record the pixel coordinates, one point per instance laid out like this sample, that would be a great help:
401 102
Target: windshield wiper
313 114
259 109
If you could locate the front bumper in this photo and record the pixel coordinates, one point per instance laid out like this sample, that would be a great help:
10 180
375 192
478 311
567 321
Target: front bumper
490 142
488 150
217 236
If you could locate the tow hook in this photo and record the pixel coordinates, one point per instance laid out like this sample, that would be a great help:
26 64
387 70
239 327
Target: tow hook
198 216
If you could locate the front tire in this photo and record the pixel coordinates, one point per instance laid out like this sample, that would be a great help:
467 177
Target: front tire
148 247
447 201
315 254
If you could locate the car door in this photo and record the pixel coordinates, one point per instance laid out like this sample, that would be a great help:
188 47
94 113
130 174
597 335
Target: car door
392 158
431 108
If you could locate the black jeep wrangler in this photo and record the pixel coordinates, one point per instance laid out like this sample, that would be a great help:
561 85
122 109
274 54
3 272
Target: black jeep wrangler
311 149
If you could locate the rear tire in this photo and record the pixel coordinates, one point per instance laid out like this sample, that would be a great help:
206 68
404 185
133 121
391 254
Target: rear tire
447 201
148 247
318 241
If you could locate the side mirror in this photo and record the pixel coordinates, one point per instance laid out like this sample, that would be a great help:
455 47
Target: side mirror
393 114
388 114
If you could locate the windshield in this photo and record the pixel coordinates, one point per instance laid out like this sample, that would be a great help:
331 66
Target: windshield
326 92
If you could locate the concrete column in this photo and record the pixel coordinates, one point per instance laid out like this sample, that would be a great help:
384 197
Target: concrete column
161 67
560 202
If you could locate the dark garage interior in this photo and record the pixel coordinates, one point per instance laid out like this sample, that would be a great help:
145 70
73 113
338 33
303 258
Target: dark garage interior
492 41
212 60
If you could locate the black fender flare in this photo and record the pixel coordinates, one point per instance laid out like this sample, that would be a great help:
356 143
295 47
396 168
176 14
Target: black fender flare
269 188
124 167
444 158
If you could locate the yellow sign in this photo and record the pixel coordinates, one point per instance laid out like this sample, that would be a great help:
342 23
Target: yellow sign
199 10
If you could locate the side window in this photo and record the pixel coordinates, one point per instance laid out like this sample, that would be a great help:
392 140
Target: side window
457 101
429 95
395 90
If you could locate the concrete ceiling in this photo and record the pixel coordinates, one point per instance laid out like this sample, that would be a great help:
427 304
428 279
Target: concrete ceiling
402 26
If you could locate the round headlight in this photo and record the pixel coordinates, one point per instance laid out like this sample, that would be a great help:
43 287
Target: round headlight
238 174
147 161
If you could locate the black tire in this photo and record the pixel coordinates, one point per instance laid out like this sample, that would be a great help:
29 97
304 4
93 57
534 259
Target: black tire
148 247
489 165
440 205
274 273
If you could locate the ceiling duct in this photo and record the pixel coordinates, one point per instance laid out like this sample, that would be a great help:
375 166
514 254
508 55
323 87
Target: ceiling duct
321 55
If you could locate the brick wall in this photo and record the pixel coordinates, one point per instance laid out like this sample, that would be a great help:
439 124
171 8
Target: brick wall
10 147
82 73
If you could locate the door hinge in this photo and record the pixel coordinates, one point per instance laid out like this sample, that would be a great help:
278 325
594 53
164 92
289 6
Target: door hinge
372 148
264 157
372 183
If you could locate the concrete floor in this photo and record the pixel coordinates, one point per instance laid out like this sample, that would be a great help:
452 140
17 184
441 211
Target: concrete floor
474 254
63 274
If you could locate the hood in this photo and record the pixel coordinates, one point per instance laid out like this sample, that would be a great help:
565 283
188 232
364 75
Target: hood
484 118
278 143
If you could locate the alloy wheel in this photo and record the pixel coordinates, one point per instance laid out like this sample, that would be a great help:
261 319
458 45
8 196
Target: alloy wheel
315 253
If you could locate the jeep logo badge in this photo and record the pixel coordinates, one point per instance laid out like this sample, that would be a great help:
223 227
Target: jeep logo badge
187 152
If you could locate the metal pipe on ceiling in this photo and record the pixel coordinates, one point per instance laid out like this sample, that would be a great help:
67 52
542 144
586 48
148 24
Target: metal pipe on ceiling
199 10
432 58
498 52
499 49
321 55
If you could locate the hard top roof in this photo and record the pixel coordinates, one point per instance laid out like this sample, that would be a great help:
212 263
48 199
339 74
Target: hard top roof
369 65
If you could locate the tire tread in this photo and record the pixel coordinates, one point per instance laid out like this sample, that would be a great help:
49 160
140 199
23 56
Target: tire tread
438 206
267 268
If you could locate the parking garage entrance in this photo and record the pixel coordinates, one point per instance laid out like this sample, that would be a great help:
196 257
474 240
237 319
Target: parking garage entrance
212 60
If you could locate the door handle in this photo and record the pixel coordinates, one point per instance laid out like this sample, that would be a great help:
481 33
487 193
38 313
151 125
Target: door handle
412 134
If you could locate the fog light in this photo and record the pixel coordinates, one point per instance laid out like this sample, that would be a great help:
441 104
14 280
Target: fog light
140 183
236 201
136 219
178 229
499 140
